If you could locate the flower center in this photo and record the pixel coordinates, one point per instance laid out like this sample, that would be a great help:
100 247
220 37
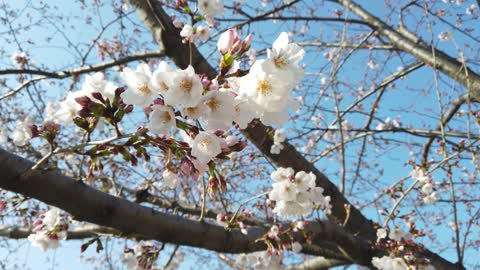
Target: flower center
206 142
143 88
186 85
166 117
280 62
264 87
213 104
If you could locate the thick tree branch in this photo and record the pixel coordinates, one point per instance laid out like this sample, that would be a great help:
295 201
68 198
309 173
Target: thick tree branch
88 204
130 219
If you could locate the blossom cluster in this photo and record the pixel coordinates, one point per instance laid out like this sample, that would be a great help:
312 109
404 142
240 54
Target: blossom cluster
278 139
399 240
141 257
264 93
65 111
50 228
296 194
207 9
262 260
429 194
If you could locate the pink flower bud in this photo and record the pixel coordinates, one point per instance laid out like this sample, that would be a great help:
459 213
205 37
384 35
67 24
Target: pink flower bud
84 101
236 46
247 42
226 41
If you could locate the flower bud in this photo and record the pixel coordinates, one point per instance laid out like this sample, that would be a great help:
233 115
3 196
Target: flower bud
247 42
226 40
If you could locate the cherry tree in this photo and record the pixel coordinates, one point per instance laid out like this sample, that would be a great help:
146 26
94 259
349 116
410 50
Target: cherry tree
258 134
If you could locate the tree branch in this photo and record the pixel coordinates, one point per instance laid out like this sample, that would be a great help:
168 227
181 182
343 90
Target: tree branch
128 219
74 72
429 55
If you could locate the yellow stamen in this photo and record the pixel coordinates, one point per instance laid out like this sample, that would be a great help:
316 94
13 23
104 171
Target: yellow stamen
264 87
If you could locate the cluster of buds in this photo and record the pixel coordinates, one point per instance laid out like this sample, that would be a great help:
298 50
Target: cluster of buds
49 131
232 47
20 59
216 183
111 48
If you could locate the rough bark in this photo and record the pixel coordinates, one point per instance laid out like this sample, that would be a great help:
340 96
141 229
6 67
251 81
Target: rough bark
123 218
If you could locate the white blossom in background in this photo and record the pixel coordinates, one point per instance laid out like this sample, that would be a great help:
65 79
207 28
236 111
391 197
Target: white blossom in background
284 59
187 31
389 263
63 112
203 32
171 179
381 234
276 149
331 54
162 119
140 90
132 258
388 124
471 9
231 140
278 139
296 195
397 234
252 56
262 260
205 147
372 64
210 7
430 195
22 133
419 175
50 229
19 58
445 35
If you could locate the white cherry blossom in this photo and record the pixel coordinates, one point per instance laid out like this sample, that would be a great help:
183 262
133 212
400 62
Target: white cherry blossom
171 179
162 119
284 58
140 90
220 110
185 90
22 134
210 7
205 147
